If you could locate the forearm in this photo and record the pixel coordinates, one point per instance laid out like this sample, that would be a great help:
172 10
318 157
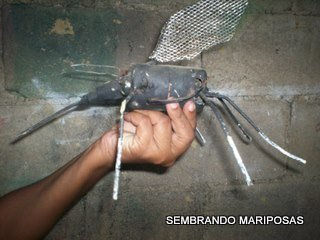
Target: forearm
30 212
156 138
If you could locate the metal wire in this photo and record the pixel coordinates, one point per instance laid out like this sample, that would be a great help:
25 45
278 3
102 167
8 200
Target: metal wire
119 148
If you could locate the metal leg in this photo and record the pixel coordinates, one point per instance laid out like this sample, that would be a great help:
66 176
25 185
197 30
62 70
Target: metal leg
245 136
202 141
261 133
232 145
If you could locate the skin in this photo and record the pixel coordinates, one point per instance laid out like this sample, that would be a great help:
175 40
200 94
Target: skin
150 137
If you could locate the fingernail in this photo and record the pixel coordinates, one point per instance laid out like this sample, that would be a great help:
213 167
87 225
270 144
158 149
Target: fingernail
173 105
191 107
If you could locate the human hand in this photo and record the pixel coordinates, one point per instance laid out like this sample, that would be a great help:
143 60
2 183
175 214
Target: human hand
152 136
156 138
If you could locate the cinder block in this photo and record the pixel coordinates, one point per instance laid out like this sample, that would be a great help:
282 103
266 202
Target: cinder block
270 7
1 63
74 224
38 62
304 135
138 36
140 212
306 7
295 7
139 33
270 55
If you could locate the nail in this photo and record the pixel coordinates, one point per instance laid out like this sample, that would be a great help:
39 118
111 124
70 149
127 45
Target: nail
174 105
191 107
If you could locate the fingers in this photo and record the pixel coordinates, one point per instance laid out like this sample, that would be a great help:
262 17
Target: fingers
144 130
158 138
161 124
162 131
183 123
189 110
155 116
129 127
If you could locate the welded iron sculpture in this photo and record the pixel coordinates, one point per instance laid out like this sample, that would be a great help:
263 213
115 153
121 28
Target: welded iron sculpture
152 85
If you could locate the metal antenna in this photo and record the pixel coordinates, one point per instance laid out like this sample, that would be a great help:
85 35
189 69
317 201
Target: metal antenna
46 121
233 146
91 72
93 69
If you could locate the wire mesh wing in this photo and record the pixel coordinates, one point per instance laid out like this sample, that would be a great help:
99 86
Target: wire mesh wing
197 28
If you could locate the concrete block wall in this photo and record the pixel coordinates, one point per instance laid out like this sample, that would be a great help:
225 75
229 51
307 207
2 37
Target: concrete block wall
271 69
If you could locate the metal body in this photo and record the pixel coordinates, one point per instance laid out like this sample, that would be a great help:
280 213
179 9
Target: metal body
151 88
156 85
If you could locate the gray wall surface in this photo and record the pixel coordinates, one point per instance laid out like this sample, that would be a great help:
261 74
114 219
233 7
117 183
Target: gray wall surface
271 69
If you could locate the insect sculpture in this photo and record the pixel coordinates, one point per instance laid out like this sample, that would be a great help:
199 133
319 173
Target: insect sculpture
154 84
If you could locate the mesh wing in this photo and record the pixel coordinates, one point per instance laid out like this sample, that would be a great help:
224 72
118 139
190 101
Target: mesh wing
197 28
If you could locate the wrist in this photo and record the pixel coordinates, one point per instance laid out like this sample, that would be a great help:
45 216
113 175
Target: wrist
101 154
90 168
